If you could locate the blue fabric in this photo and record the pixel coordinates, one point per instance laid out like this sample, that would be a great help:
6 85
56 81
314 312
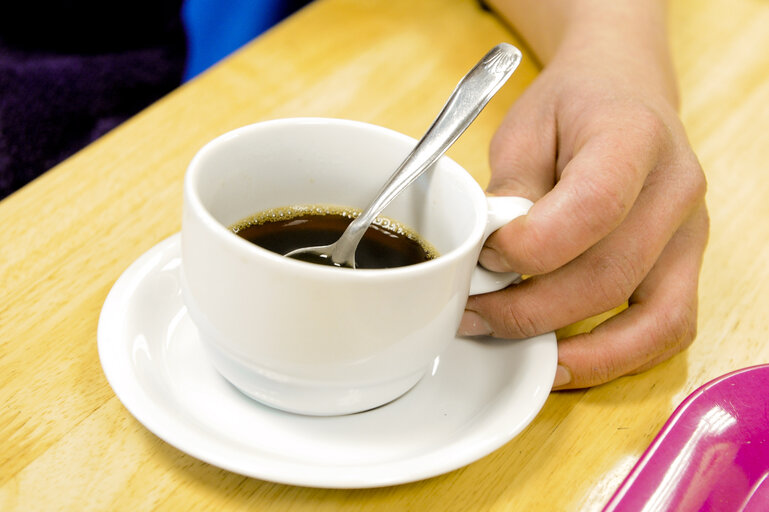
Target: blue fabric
216 28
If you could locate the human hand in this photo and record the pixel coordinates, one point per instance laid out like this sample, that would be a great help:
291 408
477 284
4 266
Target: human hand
619 215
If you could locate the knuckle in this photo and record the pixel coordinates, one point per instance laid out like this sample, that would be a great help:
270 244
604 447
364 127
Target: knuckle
601 203
684 173
528 251
518 324
677 327
653 125
604 369
696 183
702 220
536 254
604 199
649 127
613 276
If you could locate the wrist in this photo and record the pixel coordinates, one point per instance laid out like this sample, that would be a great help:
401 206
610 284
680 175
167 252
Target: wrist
625 38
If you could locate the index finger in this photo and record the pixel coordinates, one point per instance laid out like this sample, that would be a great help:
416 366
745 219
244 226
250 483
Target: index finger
596 190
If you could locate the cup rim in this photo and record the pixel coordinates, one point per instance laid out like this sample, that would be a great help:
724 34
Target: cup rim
232 240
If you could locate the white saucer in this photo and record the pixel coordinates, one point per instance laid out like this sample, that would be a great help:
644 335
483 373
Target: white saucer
478 396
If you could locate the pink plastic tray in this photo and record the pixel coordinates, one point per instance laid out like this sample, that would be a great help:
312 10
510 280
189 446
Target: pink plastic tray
712 454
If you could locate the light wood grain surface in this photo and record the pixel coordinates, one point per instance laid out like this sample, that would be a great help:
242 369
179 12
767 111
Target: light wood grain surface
67 443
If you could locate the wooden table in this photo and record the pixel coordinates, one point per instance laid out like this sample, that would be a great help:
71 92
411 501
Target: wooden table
66 442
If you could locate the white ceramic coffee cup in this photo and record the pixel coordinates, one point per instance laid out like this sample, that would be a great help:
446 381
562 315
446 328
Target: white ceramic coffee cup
321 340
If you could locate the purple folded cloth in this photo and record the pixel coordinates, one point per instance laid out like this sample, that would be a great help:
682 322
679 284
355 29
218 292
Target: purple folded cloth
72 70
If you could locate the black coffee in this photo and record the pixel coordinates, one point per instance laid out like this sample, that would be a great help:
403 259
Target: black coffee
386 244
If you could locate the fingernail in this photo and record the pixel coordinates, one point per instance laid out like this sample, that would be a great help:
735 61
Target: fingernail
562 376
473 324
493 260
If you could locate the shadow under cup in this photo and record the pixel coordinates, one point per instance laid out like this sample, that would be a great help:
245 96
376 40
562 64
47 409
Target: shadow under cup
308 338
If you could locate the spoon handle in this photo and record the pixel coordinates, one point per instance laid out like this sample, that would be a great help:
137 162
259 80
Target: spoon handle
468 99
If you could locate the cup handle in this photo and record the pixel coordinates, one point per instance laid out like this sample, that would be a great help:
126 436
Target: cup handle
501 210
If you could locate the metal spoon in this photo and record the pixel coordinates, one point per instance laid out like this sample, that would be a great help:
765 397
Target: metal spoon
468 99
